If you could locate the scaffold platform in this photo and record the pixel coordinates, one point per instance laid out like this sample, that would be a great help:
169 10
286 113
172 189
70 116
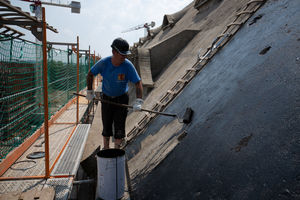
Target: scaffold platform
66 145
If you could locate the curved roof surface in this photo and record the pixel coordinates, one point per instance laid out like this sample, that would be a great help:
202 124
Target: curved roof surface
243 141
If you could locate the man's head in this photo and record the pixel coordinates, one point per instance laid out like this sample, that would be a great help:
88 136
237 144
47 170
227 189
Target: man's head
121 46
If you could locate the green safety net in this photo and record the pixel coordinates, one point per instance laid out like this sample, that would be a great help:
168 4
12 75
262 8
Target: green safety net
22 89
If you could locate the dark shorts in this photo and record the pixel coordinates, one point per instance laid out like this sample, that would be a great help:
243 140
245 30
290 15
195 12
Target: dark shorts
114 116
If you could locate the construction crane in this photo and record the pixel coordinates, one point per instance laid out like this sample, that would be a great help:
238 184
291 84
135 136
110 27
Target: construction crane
74 5
35 7
146 26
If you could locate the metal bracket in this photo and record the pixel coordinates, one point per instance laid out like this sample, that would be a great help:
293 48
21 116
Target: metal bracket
36 33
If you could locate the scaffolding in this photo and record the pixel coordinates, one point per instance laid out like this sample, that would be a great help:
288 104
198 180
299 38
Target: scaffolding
21 96
36 82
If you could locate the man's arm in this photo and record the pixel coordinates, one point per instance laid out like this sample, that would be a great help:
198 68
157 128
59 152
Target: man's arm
139 89
89 80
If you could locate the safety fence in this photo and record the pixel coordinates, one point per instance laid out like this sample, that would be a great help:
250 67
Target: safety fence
22 92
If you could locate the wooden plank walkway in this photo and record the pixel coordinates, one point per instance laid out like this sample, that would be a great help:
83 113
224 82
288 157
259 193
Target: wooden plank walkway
61 133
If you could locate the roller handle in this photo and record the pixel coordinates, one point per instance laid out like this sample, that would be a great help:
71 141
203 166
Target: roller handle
124 105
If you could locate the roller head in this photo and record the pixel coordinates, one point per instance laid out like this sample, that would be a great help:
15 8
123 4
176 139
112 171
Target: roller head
188 115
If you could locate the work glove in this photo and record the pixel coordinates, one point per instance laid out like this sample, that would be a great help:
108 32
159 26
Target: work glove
137 106
90 95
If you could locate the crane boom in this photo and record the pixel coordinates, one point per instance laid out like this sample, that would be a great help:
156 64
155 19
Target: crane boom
74 5
135 28
146 25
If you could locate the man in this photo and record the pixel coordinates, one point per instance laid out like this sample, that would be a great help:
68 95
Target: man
116 71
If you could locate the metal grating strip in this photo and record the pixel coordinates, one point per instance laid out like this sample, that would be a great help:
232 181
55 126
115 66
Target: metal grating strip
58 135
21 185
69 161
62 187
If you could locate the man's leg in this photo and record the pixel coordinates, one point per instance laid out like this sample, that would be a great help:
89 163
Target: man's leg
119 121
118 143
106 142
107 121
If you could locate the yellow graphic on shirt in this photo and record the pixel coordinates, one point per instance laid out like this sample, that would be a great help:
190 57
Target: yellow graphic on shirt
121 77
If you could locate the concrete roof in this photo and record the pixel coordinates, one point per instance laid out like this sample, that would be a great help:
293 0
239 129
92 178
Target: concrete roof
244 138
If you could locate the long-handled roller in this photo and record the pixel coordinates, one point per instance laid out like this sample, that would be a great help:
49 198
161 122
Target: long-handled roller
187 116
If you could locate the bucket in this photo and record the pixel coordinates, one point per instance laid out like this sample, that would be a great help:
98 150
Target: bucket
111 173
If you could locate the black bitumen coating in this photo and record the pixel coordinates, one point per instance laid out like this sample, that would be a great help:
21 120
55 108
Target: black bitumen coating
244 138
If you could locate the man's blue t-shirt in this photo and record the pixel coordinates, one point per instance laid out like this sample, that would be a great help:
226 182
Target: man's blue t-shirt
115 79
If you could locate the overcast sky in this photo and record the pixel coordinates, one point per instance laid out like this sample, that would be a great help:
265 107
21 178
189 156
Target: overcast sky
101 21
